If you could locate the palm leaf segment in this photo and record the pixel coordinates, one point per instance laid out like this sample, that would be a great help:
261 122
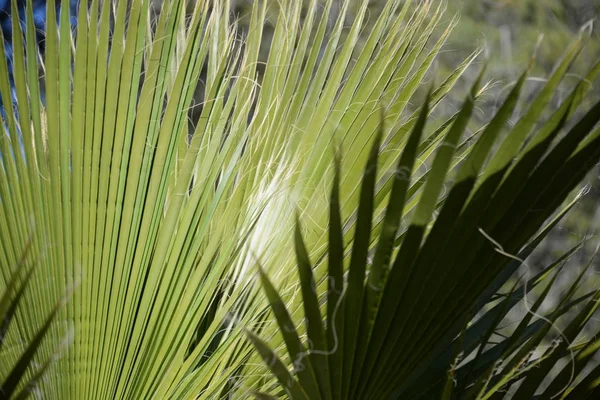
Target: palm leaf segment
24 375
396 317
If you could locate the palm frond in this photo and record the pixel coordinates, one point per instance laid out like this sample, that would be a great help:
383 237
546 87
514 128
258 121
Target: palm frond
402 322
153 221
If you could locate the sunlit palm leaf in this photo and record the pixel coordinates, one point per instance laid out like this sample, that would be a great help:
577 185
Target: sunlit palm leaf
152 222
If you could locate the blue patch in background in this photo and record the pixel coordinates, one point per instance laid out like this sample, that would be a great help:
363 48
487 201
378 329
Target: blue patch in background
39 17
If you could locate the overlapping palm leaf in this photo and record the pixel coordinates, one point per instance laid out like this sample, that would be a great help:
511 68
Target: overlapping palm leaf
398 317
23 377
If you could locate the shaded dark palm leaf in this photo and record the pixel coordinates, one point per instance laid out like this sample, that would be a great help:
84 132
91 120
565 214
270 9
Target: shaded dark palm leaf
398 329
25 371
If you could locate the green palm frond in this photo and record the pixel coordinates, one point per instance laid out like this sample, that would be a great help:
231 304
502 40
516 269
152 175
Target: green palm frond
153 222
395 316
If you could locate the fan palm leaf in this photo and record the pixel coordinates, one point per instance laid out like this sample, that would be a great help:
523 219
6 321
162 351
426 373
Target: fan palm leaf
153 223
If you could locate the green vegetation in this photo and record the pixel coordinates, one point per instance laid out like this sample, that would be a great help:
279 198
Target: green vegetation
510 30
144 255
